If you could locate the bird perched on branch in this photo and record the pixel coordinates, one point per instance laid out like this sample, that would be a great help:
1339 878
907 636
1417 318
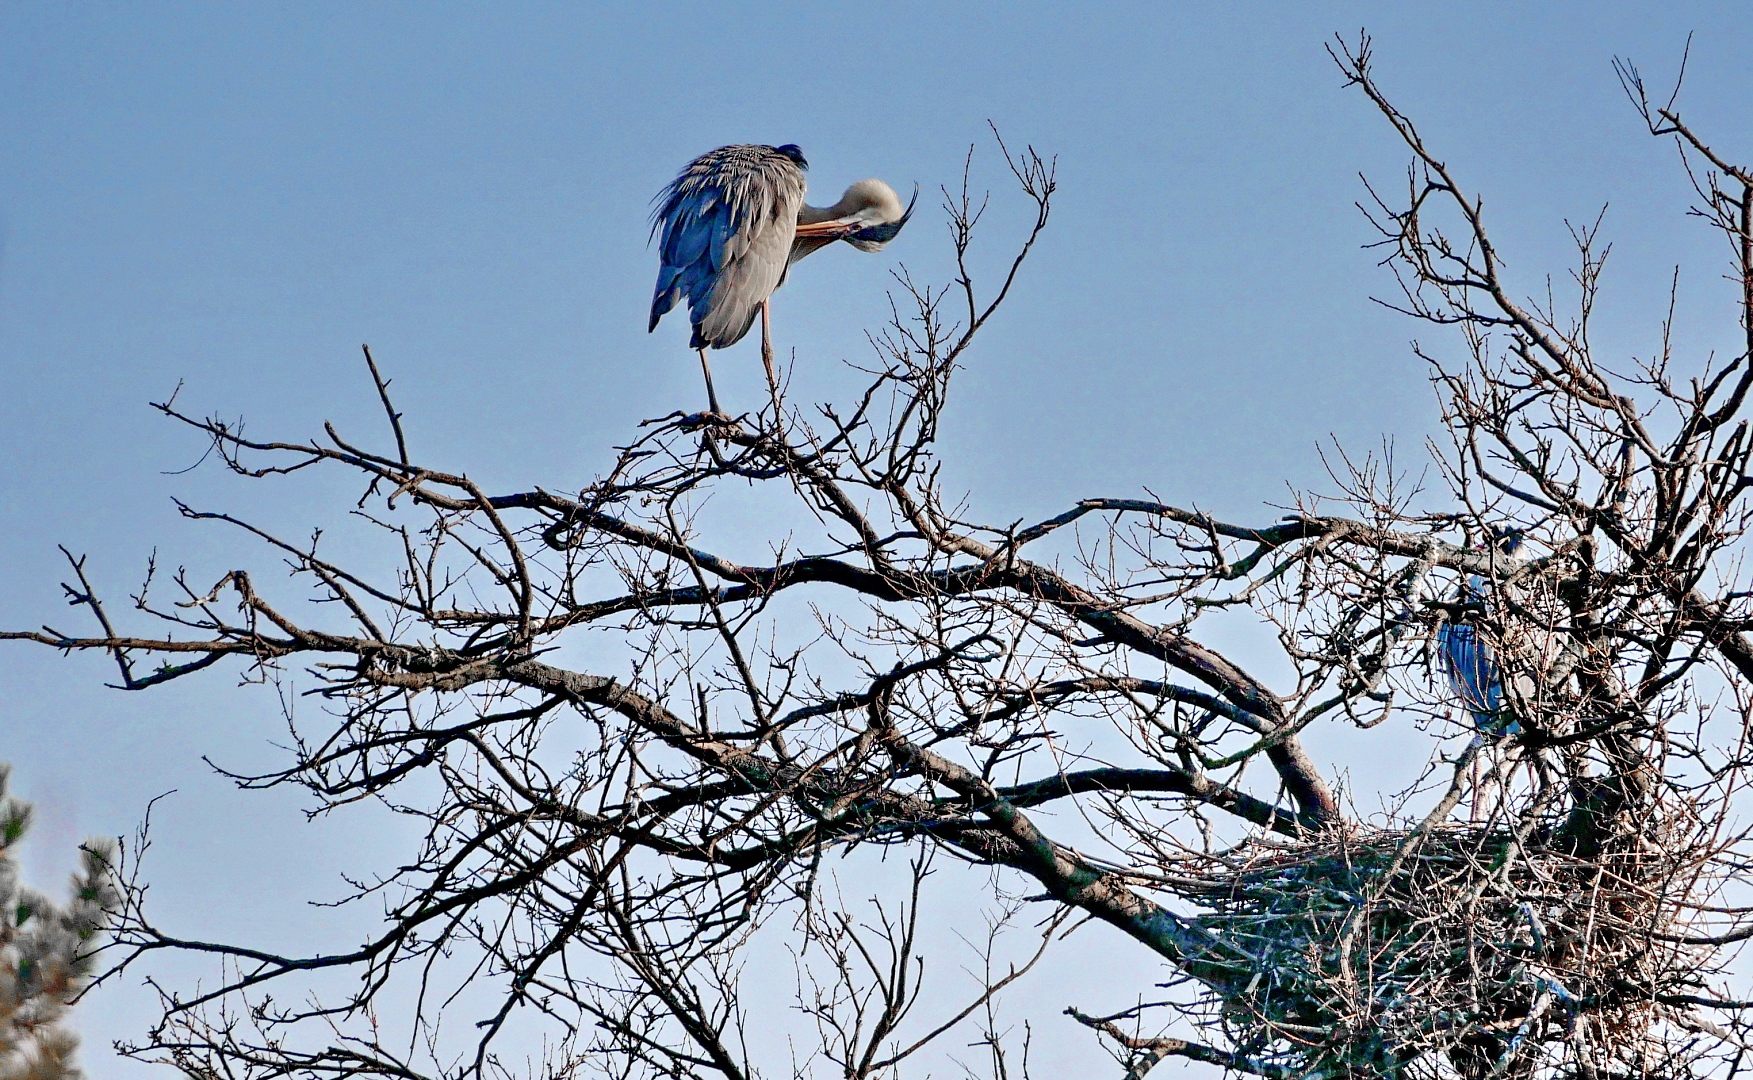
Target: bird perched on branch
733 223
1470 663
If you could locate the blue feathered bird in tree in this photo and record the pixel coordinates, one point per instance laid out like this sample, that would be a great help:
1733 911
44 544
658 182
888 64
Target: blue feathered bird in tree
1470 663
733 223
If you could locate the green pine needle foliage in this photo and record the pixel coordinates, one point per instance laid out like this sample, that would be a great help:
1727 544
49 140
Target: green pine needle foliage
46 951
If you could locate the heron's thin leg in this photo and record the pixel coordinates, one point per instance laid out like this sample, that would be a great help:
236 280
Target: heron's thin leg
711 395
1475 795
767 347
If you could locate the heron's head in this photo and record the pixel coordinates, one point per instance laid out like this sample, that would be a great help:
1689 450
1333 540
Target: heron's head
877 210
795 153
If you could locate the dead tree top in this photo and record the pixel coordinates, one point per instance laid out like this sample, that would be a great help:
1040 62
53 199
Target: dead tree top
1035 706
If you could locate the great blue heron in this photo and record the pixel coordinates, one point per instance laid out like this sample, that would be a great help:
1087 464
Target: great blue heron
1470 663
733 223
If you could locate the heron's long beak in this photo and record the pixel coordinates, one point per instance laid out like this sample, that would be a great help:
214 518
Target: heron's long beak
853 231
832 229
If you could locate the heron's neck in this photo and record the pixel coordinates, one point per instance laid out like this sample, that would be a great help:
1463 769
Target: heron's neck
846 207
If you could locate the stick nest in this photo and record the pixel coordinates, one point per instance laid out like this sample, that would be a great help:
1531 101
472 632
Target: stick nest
1452 951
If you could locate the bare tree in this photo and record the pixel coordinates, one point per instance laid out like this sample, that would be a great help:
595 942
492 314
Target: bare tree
1033 709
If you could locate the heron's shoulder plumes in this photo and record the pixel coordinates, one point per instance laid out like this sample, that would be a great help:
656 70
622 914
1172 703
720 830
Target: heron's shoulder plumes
746 178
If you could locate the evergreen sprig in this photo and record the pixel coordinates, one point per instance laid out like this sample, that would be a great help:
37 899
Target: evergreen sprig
46 951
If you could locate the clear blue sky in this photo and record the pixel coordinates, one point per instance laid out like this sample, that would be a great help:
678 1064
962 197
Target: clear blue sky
234 197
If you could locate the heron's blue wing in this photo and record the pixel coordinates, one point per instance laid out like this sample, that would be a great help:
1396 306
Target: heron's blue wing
696 227
1473 673
687 230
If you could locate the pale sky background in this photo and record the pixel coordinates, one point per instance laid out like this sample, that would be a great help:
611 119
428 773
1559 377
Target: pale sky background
235 197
